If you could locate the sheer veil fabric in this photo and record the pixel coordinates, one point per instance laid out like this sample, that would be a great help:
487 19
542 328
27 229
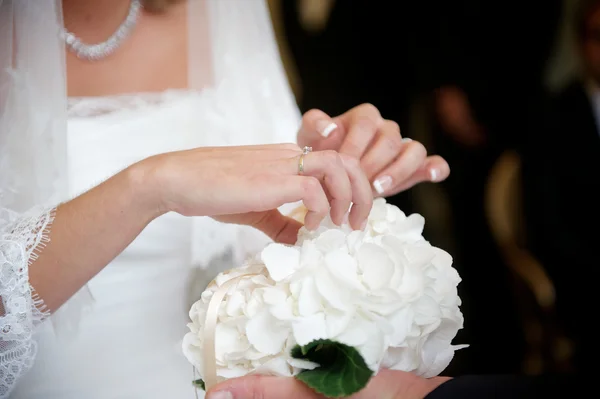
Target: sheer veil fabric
230 41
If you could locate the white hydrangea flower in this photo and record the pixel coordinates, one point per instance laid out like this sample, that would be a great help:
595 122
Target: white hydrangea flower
384 291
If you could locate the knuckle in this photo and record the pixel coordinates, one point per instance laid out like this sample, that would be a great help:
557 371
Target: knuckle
416 149
350 161
351 147
419 149
368 116
332 158
368 122
392 127
369 109
311 186
393 141
311 114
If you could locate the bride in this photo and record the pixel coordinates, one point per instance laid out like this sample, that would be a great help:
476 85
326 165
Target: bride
167 76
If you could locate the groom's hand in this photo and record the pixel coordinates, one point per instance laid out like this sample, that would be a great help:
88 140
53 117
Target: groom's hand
386 385
391 163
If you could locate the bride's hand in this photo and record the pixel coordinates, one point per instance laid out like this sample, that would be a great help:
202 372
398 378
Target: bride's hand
246 185
392 164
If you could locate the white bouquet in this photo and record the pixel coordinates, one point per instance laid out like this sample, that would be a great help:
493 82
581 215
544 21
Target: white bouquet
333 309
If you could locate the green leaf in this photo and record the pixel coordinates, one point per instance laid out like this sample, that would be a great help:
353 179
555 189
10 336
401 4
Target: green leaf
199 383
342 370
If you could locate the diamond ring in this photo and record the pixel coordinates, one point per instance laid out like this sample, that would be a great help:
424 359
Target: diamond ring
305 151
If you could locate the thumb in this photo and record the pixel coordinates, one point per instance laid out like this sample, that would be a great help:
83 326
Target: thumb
278 227
262 387
320 131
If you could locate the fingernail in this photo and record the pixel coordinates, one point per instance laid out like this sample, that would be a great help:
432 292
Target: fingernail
325 127
363 225
406 140
382 184
220 395
433 174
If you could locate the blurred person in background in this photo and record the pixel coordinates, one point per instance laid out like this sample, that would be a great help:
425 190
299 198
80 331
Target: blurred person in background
494 61
562 186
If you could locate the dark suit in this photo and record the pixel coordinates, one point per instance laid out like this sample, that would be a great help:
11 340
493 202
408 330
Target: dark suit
511 387
561 173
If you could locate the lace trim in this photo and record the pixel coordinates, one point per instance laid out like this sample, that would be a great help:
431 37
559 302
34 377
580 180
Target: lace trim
85 107
22 238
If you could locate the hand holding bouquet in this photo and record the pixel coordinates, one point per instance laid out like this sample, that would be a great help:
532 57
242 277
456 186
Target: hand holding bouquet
332 310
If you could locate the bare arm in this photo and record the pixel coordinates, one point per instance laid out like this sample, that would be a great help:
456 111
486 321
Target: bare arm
89 232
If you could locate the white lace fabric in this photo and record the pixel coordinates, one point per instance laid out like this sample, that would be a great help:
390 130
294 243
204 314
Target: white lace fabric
22 237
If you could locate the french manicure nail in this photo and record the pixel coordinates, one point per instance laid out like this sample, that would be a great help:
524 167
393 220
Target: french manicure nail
433 174
382 184
363 225
406 140
220 395
325 127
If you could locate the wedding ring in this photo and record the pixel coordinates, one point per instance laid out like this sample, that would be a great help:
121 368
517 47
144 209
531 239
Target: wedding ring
305 151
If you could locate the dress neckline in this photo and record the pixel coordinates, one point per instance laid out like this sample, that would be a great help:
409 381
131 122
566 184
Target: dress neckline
93 106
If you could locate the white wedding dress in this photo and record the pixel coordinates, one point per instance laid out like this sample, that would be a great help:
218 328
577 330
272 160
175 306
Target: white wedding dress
127 344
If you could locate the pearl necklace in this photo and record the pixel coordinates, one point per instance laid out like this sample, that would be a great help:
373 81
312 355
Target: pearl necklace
94 52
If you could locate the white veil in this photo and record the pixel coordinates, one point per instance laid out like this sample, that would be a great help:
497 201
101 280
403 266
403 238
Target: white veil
239 49
32 104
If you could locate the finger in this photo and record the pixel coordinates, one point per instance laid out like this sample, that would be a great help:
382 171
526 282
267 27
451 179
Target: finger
245 149
263 387
410 159
362 196
383 151
319 130
315 201
435 169
272 191
279 228
363 123
328 168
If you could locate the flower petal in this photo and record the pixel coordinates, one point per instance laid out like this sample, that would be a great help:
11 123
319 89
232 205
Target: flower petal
377 267
234 304
309 300
337 322
337 297
283 310
266 334
310 328
331 240
277 366
228 339
343 267
280 260
302 364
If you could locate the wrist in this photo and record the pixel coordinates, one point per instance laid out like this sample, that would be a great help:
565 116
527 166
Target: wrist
142 180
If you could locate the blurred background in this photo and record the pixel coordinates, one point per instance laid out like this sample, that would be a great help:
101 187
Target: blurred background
508 92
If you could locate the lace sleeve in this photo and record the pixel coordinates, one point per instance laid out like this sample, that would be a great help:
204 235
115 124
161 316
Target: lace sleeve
22 237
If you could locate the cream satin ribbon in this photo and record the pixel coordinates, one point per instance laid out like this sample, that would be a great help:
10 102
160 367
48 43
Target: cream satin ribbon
212 314
210 325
